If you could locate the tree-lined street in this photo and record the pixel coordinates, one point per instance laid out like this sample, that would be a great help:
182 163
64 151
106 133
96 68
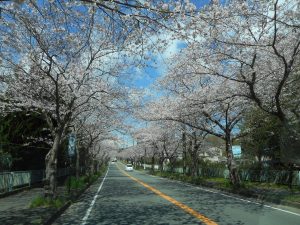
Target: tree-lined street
122 200
206 93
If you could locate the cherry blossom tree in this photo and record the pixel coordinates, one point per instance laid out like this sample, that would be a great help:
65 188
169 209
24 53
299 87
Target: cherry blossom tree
92 128
203 103
256 45
157 142
59 64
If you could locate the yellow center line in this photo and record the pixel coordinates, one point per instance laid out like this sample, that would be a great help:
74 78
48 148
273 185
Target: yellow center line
184 207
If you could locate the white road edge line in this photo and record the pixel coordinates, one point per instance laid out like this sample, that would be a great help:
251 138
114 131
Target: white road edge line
229 196
245 200
87 214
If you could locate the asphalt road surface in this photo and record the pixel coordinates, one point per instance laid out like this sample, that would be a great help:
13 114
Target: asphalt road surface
122 198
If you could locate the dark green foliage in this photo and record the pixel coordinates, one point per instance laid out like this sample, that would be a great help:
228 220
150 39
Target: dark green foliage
22 136
263 140
5 160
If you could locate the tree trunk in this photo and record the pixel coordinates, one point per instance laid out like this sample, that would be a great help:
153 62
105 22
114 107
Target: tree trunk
189 171
172 164
77 163
51 168
145 153
161 164
290 178
184 152
152 164
195 170
194 155
92 167
231 165
95 165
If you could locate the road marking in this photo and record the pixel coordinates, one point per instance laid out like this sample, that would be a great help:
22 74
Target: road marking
87 214
245 200
226 195
184 207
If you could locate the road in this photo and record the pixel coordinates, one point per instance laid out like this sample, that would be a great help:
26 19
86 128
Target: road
136 198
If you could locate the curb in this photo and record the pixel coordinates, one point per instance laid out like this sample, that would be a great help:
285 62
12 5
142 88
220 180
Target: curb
57 213
3 195
18 190
62 209
291 204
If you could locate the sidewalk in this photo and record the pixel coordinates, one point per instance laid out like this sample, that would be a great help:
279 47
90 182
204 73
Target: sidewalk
14 209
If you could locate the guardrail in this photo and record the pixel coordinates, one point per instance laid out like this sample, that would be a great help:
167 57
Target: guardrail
10 181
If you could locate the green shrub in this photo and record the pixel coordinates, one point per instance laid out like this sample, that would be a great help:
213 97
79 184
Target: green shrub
90 178
47 202
73 183
37 202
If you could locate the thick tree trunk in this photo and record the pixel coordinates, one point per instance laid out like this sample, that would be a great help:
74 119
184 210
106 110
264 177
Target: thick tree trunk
231 165
51 168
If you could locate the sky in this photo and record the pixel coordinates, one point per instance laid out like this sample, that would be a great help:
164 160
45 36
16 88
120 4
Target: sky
144 78
148 75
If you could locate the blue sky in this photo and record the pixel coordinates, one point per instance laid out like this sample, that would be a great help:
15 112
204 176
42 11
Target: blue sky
156 67
150 73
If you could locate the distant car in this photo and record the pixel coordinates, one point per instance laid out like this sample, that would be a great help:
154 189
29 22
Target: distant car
129 167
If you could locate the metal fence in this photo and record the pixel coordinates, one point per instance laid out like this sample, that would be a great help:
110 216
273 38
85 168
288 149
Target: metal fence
263 175
270 176
10 181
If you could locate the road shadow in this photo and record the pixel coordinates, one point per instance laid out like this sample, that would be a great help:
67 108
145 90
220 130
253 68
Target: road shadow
25 216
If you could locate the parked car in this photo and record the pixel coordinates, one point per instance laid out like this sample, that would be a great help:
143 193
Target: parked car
129 167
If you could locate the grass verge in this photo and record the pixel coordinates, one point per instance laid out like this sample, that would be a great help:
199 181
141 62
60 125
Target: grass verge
268 191
47 202
72 188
